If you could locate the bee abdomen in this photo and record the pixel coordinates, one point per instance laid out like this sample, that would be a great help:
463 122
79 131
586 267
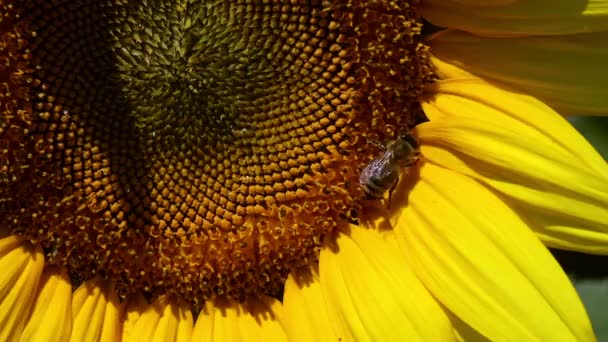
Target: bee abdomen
376 188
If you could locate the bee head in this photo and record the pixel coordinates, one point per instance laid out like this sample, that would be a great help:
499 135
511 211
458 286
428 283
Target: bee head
405 148
410 140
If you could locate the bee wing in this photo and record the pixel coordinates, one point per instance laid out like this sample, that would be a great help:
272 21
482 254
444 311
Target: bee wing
378 169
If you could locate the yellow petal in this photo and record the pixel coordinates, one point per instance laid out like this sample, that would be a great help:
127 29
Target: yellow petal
164 319
480 260
51 318
305 308
446 70
21 265
463 331
568 73
530 17
96 312
136 306
528 153
254 320
480 2
372 295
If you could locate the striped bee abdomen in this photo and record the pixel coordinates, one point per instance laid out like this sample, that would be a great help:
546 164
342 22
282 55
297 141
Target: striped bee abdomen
376 188
378 177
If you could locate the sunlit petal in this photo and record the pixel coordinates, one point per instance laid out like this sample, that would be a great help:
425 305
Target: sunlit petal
532 156
529 17
567 72
370 292
305 308
463 331
21 265
51 318
480 260
164 319
96 312
254 320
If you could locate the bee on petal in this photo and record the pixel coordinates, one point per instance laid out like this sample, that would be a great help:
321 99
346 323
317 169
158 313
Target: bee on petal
382 174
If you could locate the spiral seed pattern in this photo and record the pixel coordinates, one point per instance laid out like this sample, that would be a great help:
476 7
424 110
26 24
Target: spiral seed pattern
200 148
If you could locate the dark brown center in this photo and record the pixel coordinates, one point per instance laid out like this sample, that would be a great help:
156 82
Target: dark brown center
197 147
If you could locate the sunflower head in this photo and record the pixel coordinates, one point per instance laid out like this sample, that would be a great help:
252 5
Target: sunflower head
197 148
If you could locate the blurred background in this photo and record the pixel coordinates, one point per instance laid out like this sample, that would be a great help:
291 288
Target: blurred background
589 273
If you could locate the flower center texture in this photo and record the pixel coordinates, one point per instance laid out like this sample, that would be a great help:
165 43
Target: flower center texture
198 148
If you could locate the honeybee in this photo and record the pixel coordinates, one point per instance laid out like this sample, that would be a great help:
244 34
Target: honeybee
382 174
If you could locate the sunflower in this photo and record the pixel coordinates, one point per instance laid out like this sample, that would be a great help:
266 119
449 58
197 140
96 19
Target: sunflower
190 170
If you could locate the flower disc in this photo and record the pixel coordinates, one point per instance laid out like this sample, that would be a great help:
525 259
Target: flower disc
197 147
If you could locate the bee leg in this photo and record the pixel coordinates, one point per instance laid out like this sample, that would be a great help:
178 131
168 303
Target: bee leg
376 143
390 193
